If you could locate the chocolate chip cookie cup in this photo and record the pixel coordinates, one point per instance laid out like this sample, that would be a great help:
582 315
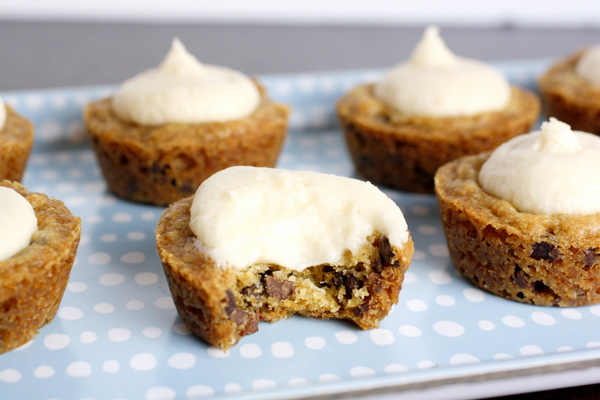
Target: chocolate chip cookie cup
570 97
223 303
16 140
33 281
548 260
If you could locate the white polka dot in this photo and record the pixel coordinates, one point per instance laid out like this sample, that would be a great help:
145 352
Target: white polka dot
134 305
346 337
449 328
410 277
427 229
395 369
99 258
419 255
543 318
182 361
324 378
119 334
95 219
263 384
104 308
200 391
24 346
85 239
295 382
152 332
410 331
420 210
107 201
135 235
438 250
10 375
56 341
165 303
562 349
49 130
593 345
440 277
416 305
232 388
111 366
108 238
88 337
43 372
122 218
314 342
362 372
487 325
512 321
182 329
595 310
148 216
250 350
530 350
445 300
161 393
79 369
503 356
282 349
382 337
571 313
146 278
134 257
216 352
462 358
77 287
425 364
143 362
111 279
474 295
70 313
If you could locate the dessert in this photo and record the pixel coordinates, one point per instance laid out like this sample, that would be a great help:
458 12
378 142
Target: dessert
570 90
39 239
427 111
261 244
522 222
169 128
16 140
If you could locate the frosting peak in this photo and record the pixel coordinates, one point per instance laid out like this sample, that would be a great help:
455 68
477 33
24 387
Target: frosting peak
588 65
17 223
183 90
435 82
549 171
2 113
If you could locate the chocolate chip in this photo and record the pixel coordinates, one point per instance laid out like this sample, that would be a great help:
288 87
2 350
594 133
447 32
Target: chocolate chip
520 278
360 310
386 253
338 279
238 316
278 289
350 283
590 256
231 304
252 291
544 251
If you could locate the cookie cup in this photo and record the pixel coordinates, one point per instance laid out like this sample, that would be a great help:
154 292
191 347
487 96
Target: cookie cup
549 260
33 281
162 164
221 305
16 140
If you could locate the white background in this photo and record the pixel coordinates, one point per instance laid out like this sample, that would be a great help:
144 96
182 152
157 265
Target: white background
519 13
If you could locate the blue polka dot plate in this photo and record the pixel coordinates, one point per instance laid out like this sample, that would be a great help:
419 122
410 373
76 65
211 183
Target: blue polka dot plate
117 334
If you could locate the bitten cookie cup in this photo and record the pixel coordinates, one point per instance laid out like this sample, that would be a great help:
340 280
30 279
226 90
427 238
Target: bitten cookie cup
404 152
33 281
162 164
16 140
549 260
569 97
221 305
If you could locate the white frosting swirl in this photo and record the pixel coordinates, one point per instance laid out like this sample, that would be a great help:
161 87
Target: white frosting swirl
247 215
17 223
436 83
2 113
550 171
183 90
588 65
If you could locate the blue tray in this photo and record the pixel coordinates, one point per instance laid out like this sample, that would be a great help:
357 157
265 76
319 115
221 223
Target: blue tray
118 335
